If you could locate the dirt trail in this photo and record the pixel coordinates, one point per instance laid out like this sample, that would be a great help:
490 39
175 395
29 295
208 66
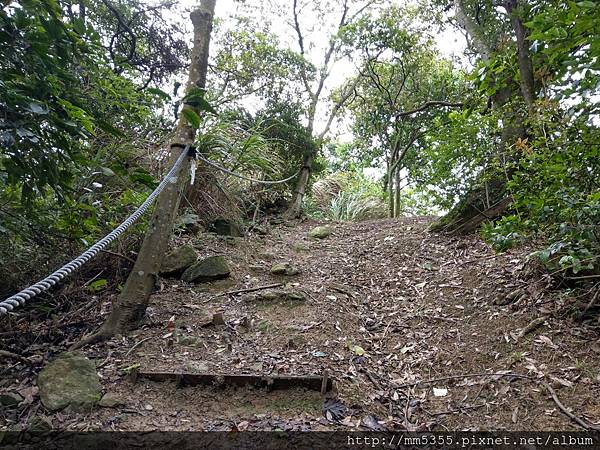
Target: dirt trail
421 306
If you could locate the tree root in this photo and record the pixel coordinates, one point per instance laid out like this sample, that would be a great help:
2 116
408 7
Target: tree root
99 336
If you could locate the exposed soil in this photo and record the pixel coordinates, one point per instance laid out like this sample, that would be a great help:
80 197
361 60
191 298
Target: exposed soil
421 306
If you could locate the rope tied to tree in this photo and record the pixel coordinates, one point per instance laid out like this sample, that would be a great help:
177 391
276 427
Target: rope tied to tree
235 174
20 298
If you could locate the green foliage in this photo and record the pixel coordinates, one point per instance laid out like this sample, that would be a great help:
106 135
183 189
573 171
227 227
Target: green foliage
74 132
252 63
354 206
353 197
555 170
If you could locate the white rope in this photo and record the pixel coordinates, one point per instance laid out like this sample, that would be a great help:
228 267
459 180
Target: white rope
26 294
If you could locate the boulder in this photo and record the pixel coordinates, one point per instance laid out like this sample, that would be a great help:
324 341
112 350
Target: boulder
178 260
226 227
320 232
70 380
209 269
284 269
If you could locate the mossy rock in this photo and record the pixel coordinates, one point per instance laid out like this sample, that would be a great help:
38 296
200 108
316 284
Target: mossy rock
111 400
300 247
178 260
209 269
320 232
278 296
70 380
284 269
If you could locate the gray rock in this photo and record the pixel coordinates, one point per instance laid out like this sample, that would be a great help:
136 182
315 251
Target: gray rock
209 269
110 400
197 367
10 399
284 269
300 247
267 256
39 424
320 232
70 380
187 340
178 260
226 227
189 222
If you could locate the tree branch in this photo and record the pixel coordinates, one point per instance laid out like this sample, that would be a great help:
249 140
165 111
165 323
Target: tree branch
428 105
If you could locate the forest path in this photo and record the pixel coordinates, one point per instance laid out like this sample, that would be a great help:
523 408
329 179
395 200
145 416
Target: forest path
421 306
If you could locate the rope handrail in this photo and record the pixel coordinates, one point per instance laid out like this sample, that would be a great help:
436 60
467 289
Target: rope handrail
20 298
235 174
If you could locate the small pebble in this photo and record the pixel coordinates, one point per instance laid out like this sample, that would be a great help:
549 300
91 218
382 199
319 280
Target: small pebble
148 408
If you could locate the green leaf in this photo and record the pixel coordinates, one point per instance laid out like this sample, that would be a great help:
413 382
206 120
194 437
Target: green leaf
97 285
586 4
108 128
357 350
159 92
195 98
192 117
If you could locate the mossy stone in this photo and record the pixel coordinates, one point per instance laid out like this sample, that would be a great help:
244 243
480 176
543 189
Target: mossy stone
320 232
178 260
209 269
70 380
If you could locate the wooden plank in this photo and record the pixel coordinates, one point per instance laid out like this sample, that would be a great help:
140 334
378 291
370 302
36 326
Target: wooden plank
271 383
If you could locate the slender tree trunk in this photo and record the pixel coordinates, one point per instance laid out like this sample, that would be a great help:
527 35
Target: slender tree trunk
397 206
390 190
131 306
295 208
525 64
82 11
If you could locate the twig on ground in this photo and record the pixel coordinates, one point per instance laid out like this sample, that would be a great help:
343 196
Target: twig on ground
459 410
583 423
591 304
258 288
137 344
11 355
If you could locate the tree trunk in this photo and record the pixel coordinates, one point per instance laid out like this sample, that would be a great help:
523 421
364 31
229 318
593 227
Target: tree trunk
525 64
295 208
390 186
397 200
131 305
473 209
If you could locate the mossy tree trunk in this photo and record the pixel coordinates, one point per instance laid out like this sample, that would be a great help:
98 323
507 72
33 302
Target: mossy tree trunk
132 302
489 199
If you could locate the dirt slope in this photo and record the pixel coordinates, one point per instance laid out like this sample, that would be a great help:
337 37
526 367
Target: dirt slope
421 306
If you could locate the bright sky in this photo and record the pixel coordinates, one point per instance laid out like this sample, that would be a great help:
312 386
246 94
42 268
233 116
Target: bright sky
450 43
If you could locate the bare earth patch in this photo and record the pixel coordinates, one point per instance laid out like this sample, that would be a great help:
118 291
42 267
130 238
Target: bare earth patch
380 306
